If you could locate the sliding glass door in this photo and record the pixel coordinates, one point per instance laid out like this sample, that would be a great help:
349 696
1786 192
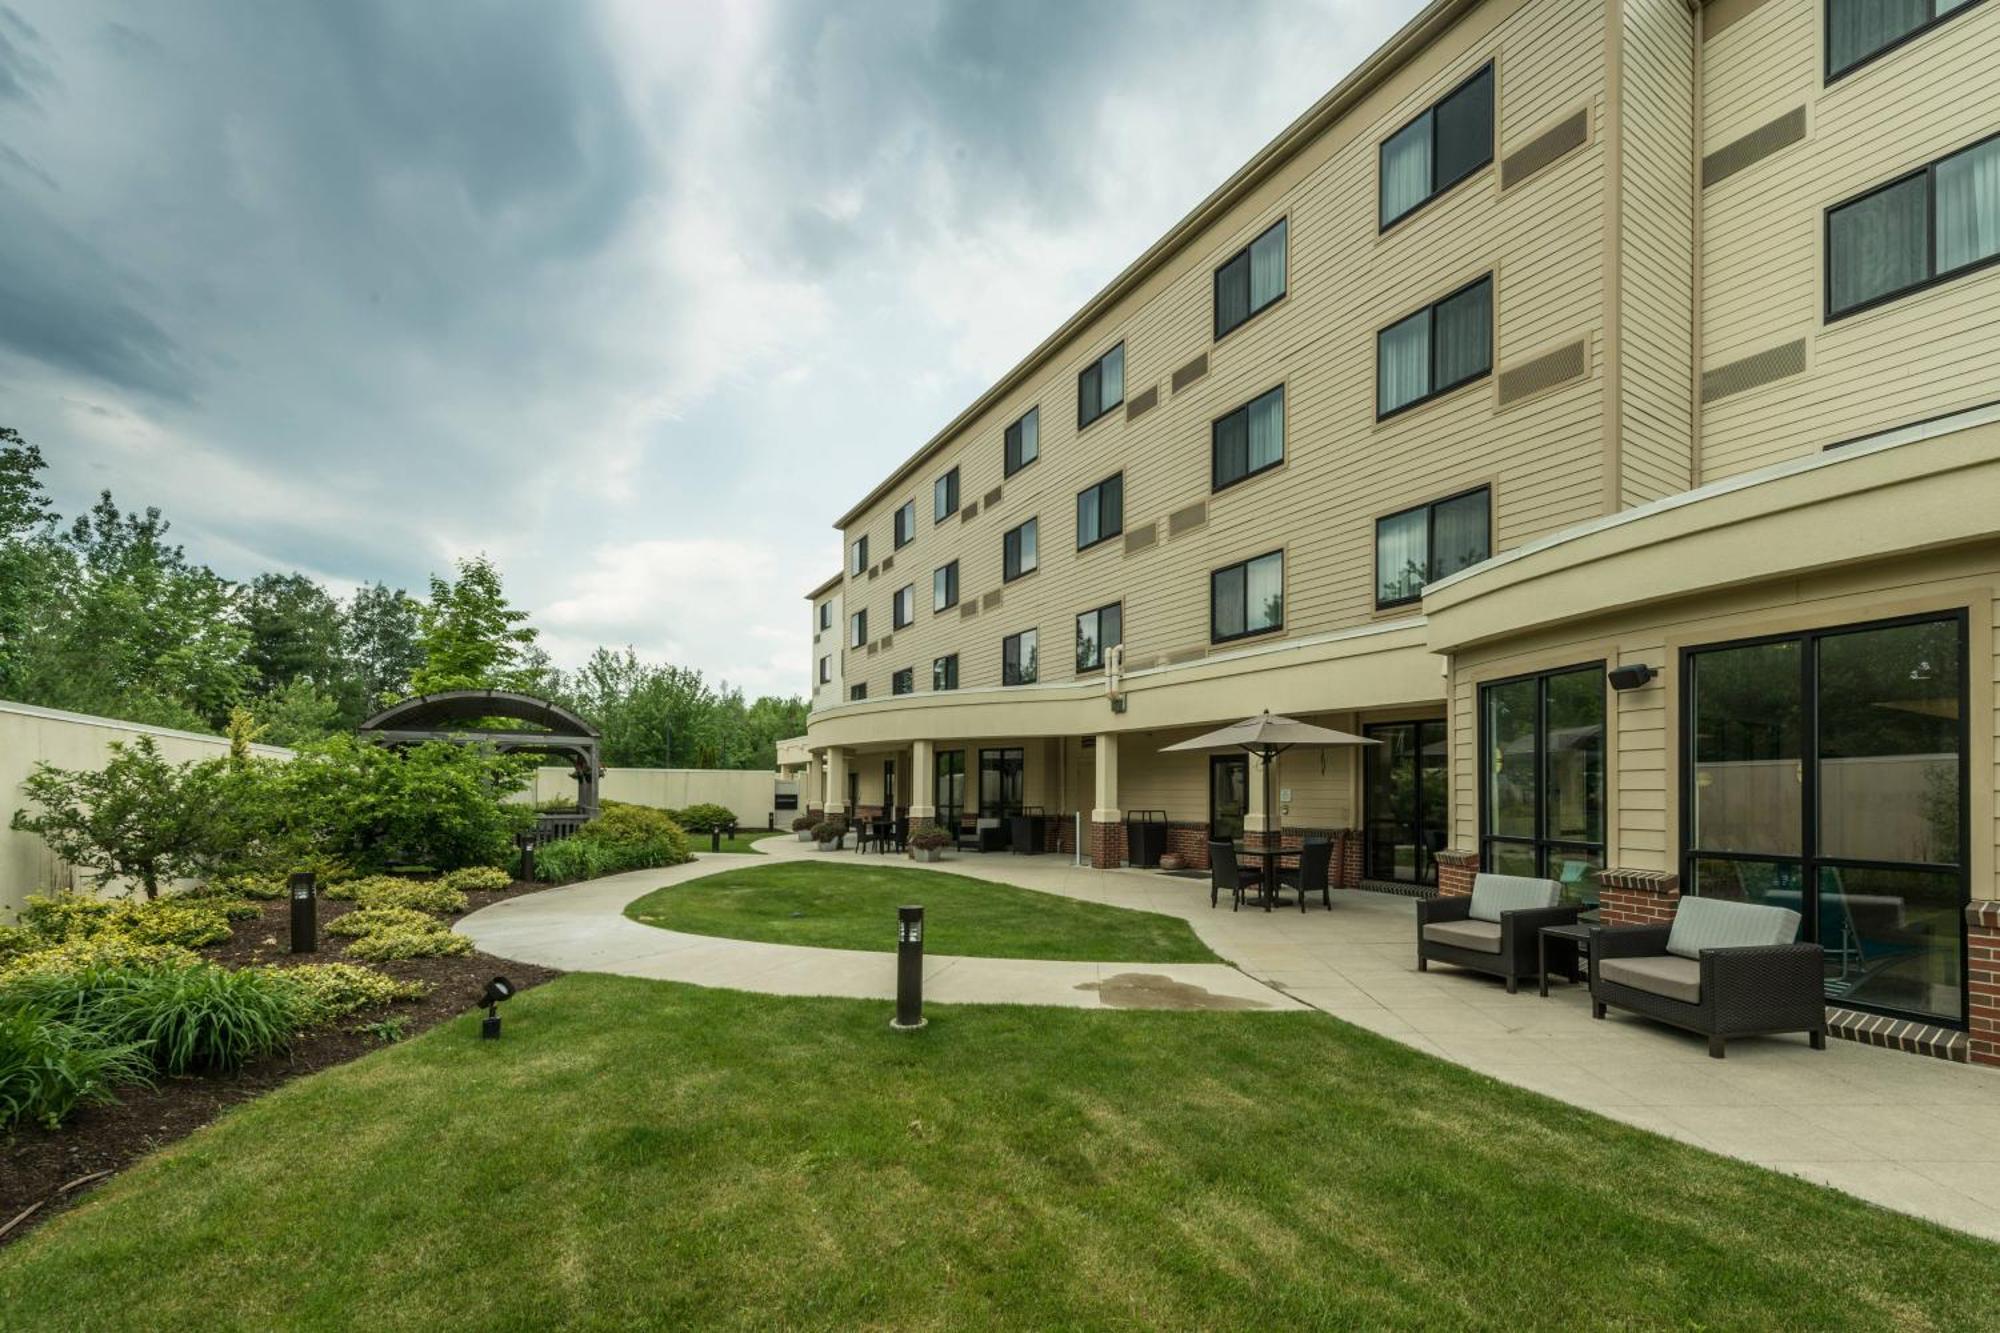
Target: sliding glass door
1228 795
1541 806
948 768
1827 772
1002 782
1405 800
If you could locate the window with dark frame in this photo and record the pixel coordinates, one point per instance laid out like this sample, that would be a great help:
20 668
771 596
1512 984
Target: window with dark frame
944 587
1019 662
1247 598
904 681
856 693
1247 441
825 616
826 669
1002 782
1857 31
1022 443
1428 542
906 524
857 629
944 672
857 556
1096 631
1100 386
1018 551
903 610
1445 144
1542 757
1251 281
944 496
1447 344
1934 224
1100 511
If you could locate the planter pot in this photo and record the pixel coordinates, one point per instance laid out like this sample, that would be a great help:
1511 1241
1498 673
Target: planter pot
805 835
927 853
833 846
1172 862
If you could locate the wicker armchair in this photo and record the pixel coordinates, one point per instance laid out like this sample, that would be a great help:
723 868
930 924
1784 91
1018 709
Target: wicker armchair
1736 991
1497 940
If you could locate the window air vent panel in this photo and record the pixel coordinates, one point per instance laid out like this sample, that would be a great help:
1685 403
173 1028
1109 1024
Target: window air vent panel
970 512
1142 403
1544 149
1753 147
1543 372
1138 539
968 609
991 599
1187 520
1754 371
993 497
1190 372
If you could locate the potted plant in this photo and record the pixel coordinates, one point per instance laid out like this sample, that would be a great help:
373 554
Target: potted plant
828 833
803 826
929 845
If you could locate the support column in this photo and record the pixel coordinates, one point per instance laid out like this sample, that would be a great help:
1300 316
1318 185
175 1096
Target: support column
923 786
836 782
1456 868
1107 832
1257 820
1982 924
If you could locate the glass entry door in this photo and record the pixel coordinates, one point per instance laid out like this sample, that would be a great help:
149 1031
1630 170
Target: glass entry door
1405 800
949 769
1228 795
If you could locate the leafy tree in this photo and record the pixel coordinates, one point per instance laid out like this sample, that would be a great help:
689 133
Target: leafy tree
139 818
471 638
27 555
296 714
380 645
295 633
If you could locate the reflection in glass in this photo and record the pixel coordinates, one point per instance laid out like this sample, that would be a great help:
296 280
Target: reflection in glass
1576 869
1228 796
1512 858
1747 721
1765 883
1510 760
1889 743
1891 938
1573 805
1406 800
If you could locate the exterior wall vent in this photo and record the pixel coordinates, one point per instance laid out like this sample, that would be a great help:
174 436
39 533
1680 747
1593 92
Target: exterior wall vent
991 599
874 648
993 497
1143 403
967 610
888 563
1190 372
1184 655
970 512
1754 371
1188 519
1543 372
1138 539
1544 149
886 640
1753 147
874 571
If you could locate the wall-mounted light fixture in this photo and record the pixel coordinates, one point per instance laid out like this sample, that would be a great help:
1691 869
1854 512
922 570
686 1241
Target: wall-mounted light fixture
1632 677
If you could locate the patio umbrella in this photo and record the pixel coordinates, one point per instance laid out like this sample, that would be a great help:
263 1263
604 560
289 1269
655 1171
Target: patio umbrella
1269 735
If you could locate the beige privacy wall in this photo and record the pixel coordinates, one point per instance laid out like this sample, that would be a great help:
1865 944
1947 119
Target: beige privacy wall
750 793
68 740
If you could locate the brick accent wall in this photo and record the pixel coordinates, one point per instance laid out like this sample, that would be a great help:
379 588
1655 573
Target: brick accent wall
1107 845
1638 897
1456 868
1190 843
1347 870
1982 928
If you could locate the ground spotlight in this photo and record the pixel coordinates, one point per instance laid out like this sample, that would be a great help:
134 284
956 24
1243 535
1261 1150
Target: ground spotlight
497 990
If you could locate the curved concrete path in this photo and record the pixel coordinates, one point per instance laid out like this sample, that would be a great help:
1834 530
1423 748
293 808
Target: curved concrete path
583 928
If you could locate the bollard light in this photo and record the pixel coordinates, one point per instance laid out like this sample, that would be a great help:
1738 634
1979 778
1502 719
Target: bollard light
305 913
525 842
909 970
497 990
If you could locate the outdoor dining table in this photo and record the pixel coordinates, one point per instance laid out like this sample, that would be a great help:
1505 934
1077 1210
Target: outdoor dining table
1268 875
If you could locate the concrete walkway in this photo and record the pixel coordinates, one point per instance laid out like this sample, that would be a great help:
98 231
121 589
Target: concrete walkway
1909 1133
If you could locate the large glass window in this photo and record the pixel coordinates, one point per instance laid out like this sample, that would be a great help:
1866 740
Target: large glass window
1406 792
1023 442
1018 551
906 524
1542 793
1248 441
944 672
1440 148
903 611
1435 350
1100 511
1002 782
1228 795
1935 223
1247 598
1422 545
948 770
1100 386
944 587
1253 279
1019 662
1826 774
944 496
1096 631
1859 30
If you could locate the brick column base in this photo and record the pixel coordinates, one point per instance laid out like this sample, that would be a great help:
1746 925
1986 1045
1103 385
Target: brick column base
1107 845
1638 897
1982 929
1455 871
1347 859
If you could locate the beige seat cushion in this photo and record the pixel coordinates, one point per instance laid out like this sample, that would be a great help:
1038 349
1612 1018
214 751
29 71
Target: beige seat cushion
1481 936
1717 923
1494 894
1674 978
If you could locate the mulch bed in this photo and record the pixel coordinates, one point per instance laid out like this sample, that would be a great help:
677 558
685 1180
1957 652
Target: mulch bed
54 1168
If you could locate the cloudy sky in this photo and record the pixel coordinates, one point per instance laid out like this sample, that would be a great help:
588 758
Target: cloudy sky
636 297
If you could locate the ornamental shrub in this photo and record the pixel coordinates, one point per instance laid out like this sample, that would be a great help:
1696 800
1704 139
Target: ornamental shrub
708 818
182 1016
339 989
69 917
830 830
476 879
420 895
387 946
624 837
803 823
374 920
95 951
48 1069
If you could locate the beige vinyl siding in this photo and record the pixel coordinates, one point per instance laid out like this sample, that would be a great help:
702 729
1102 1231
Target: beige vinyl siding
1656 250
1342 470
1916 357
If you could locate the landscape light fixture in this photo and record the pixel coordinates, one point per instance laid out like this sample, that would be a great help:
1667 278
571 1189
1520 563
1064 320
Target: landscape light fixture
1632 677
497 990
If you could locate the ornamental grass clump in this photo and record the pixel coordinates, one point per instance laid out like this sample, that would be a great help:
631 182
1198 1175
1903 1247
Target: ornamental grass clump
390 946
182 1016
375 920
48 1069
336 990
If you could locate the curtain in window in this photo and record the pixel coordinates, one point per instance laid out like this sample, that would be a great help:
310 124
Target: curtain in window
1968 207
1232 294
1401 555
1406 169
1880 244
1403 362
1461 534
1232 447
1856 29
1464 336
1267 430
1111 388
1226 594
1265 599
1111 510
1267 267
1031 436
1110 627
1086 517
1027 546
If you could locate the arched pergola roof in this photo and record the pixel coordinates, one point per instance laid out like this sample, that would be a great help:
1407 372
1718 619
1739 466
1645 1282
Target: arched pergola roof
449 714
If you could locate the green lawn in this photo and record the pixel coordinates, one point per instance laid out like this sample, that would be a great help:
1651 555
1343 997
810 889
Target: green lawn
837 905
642 1153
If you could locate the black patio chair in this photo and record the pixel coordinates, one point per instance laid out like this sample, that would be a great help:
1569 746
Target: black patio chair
1315 859
1224 873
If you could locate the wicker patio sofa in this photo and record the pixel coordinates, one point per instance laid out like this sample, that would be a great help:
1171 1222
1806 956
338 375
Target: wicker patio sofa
1723 969
1495 930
